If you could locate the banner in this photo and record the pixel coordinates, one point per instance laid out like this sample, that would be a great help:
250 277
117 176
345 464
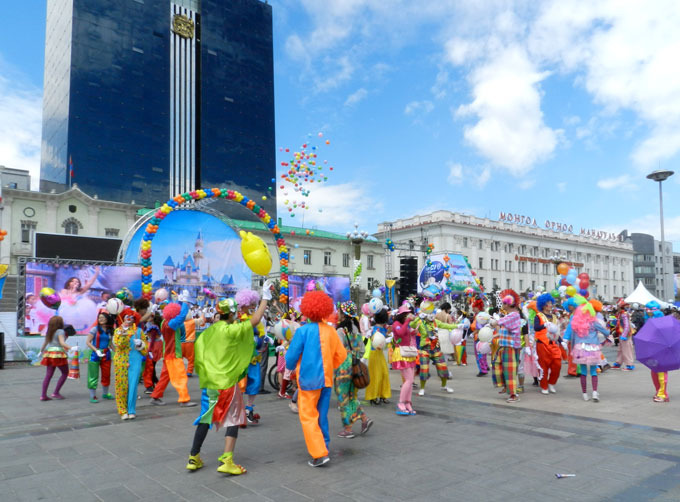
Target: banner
335 287
82 290
194 250
460 274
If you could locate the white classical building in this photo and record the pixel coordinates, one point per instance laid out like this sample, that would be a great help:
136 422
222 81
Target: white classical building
515 251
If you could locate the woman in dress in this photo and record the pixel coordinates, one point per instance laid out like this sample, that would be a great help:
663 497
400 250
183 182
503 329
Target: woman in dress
378 390
350 408
405 340
54 350
76 308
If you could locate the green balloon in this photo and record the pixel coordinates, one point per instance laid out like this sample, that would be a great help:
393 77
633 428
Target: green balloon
554 293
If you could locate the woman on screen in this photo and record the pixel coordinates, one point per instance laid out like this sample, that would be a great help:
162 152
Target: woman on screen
76 308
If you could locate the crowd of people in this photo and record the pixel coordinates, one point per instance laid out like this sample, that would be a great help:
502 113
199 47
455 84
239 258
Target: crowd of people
325 349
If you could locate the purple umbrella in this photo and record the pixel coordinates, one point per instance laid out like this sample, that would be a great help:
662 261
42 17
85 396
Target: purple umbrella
657 344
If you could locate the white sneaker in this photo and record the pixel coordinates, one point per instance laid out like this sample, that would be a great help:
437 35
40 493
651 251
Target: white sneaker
544 391
447 389
421 392
596 396
585 396
552 389
124 417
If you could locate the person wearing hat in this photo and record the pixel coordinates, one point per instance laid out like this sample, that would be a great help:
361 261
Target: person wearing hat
223 353
350 407
626 355
315 352
545 334
426 325
506 360
405 336
130 345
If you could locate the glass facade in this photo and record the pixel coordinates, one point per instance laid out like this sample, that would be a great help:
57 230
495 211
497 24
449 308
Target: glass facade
108 104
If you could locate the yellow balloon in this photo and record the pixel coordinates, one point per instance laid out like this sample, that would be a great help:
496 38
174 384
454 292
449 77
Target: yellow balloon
255 253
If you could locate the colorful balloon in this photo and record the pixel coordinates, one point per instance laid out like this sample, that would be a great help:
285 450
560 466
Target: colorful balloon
114 306
255 253
50 298
563 269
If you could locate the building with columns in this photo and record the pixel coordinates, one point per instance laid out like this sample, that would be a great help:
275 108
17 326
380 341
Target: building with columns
516 252
25 213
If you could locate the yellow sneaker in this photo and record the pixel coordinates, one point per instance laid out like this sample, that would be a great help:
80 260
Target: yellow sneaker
229 467
195 462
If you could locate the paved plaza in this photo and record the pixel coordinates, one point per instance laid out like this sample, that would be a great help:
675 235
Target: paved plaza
470 445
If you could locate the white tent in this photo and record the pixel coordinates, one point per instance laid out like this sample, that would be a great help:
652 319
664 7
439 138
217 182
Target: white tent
642 296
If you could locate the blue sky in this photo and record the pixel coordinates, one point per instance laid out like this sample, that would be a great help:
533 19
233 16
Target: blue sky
551 109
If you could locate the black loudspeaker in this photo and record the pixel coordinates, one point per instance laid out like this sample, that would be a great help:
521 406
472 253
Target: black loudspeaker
408 277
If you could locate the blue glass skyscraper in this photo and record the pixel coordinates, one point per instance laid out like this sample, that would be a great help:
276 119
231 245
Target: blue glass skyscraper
145 99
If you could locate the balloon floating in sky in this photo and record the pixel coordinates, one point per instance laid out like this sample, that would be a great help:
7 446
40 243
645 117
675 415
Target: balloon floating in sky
255 253
300 172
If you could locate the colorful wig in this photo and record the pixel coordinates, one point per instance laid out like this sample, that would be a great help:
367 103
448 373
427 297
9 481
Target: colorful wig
543 300
129 312
316 306
510 297
582 321
247 298
171 311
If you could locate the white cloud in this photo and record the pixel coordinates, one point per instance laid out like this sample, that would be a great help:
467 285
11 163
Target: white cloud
510 131
341 205
20 125
649 224
483 178
419 108
562 186
456 174
356 97
527 183
624 182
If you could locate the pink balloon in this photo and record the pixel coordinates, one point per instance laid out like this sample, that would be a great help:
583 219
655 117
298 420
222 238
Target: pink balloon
483 347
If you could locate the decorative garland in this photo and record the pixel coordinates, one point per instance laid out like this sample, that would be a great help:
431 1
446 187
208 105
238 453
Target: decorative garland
212 193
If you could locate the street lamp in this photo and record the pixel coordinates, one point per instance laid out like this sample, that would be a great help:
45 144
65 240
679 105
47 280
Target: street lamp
661 176
356 237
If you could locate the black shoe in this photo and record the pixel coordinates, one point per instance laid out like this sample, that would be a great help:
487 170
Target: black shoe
480 374
265 391
375 402
157 401
385 401
148 390
318 462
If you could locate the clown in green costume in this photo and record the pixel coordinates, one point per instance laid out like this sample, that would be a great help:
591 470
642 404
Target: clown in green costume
223 354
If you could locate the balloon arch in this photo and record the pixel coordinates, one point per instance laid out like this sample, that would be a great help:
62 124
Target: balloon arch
197 195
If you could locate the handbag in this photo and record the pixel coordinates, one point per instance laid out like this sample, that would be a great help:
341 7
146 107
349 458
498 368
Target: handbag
408 351
360 377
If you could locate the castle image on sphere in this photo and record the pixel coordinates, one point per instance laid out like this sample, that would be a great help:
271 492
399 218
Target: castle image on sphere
187 274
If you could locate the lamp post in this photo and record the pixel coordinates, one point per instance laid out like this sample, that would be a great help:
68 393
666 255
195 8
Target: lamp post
660 176
356 237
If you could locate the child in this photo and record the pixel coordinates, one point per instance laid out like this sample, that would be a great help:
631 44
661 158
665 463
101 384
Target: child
54 351
99 341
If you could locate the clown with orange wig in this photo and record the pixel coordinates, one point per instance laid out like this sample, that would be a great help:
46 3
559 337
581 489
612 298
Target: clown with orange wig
314 353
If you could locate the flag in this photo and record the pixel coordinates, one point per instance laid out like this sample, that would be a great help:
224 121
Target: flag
70 165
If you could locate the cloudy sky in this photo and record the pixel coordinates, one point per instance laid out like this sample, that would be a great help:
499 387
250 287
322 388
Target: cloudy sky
552 109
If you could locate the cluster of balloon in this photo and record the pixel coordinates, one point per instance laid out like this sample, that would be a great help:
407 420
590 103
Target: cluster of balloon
210 193
428 252
302 170
389 244
570 282
356 276
2 234
50 298
209 293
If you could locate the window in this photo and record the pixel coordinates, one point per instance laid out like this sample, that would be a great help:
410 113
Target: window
111 232
545 285
481 243
465 242
522 266
345 260
534 270
605 290
521 284
27 229
622 277
369 262
326 257
71 226
507 283
614 290
481 263
508 266
533 285
308 257
495 283
546 268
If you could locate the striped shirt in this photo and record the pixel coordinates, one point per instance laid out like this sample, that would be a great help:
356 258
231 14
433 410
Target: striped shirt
510 333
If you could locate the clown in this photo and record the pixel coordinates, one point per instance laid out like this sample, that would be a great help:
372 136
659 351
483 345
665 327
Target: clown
223 354
626 354
427 327
316 351
660 379
247 300
130 346
506 359
547 348
98 342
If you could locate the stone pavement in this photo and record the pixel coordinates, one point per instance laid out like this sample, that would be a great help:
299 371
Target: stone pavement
470 445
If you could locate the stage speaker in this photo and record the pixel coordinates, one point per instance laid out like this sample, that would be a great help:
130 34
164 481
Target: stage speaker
408 277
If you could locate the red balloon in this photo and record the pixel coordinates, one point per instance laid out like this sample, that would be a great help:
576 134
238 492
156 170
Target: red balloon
583 284
564 282
584 276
